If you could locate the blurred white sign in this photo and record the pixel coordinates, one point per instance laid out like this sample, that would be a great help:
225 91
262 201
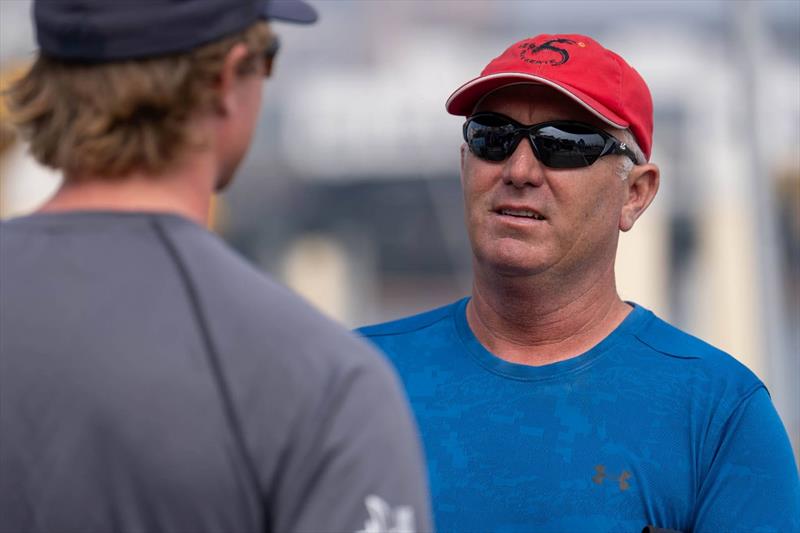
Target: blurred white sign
381 122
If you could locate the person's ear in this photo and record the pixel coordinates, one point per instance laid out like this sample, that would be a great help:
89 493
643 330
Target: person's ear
230 77
641 187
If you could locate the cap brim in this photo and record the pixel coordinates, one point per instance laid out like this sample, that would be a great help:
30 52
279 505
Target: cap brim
290 11
464 99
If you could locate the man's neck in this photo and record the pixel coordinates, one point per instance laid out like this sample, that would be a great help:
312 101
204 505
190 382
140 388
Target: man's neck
532 322
185 189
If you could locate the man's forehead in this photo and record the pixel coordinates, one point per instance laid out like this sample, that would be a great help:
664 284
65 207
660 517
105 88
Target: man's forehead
529 103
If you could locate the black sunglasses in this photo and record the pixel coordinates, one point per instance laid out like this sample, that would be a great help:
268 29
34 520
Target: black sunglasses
269 55
557 144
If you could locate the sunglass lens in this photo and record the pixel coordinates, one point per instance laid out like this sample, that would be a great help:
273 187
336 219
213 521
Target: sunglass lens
568 146
491 138
269 55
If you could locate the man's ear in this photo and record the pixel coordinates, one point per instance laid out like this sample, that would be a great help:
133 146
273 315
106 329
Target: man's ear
641 188
230 77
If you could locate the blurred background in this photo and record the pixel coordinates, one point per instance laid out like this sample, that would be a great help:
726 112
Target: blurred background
351 192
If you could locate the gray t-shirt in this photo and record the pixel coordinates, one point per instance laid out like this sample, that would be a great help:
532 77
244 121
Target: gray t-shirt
151 380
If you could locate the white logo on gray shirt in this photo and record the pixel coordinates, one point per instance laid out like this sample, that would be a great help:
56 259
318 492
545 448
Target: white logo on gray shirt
384 519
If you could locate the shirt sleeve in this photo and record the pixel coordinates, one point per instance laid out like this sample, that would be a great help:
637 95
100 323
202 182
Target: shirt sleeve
359 466
752 484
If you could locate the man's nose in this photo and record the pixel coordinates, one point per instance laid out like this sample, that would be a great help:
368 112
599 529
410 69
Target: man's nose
522 168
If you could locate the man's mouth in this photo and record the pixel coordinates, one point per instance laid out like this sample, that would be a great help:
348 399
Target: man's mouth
520 213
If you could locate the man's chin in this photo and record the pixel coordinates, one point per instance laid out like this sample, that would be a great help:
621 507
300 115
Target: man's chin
513 266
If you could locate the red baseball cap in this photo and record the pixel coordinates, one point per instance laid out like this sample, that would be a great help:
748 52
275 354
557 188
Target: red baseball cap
579 67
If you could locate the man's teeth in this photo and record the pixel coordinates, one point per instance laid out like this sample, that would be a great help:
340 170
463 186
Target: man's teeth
522 213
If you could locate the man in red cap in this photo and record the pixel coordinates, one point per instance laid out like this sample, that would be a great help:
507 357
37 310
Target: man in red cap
546 402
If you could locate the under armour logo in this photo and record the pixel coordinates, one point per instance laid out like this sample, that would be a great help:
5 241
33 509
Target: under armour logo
384 519
601 475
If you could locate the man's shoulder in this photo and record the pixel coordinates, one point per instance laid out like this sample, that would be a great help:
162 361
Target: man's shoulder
231 284
208 255
410 324
667 340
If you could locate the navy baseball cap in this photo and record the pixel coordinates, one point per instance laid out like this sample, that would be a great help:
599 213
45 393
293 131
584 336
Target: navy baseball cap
112 30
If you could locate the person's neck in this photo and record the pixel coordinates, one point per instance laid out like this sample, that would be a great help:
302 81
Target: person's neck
185 189
533 321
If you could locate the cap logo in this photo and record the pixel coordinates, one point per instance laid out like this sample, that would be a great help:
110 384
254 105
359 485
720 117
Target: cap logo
542 54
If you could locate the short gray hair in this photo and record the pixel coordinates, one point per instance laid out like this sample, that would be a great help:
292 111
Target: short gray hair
626 164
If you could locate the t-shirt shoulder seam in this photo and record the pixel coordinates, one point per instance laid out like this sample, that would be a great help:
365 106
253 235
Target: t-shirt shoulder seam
754 388
736 406
410 329
694 347
661 351
213 359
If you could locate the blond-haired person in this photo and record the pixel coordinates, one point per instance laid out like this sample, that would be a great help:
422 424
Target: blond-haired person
151 380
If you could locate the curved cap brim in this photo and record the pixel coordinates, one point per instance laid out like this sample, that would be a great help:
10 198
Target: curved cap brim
290 11
464 99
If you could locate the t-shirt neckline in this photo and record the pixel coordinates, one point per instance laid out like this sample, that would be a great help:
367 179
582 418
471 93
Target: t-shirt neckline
521 372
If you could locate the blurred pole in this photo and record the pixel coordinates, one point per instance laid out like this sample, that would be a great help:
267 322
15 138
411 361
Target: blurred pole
749 35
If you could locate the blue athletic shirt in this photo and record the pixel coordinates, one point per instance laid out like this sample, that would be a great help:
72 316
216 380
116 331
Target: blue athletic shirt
651 426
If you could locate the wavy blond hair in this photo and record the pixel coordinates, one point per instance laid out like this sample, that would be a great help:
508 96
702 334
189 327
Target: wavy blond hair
109 119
